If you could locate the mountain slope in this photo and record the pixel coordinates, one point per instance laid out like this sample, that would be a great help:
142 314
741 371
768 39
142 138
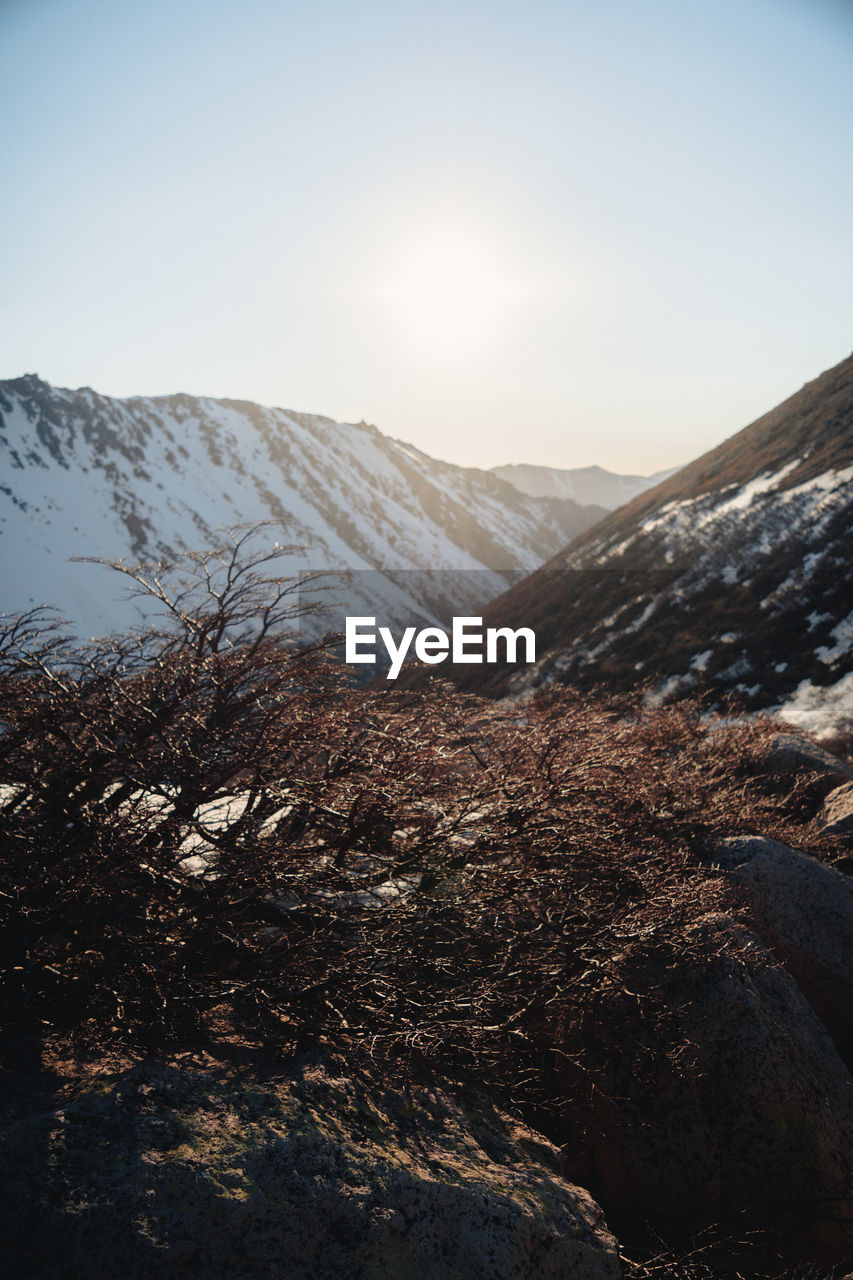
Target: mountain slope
734 573
143 478
582 484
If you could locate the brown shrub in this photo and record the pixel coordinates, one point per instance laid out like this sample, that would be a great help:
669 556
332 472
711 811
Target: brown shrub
534 863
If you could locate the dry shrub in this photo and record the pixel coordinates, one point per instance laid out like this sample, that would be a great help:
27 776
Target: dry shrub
541 856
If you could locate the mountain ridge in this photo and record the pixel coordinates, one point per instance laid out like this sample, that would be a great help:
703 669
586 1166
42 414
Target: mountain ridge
584 484
731 576
146 477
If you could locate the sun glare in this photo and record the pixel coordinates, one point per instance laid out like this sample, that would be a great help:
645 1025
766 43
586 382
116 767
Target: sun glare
448 293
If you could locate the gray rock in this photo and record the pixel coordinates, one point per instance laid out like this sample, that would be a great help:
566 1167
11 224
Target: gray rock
176 1174
803 910
790 755
836 816
723 1101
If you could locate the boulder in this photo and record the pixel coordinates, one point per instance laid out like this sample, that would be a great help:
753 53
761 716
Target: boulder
174 1174
803 910
836 816
712 1096
792 755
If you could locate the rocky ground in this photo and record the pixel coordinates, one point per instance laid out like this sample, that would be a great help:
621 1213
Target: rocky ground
177 1172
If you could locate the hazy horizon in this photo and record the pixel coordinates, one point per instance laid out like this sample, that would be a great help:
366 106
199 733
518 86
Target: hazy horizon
557 237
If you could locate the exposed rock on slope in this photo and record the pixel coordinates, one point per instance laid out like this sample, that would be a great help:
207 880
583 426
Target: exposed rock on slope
804 912
733 573
836 816
171 1173
720 1098
791 756
142 478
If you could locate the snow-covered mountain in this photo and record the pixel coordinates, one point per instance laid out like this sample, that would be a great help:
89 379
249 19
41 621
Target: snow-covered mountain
734 574
587 485
143 478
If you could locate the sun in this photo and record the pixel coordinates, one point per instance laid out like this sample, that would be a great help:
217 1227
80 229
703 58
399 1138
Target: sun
449 292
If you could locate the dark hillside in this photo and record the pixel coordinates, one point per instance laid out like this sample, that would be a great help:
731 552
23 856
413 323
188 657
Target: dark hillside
814 427
733 576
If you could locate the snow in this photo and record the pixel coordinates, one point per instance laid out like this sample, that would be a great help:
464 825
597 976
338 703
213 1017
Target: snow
823 711
668 688
729 537
750 491
740 667
144 478
642 619
842 634
753 512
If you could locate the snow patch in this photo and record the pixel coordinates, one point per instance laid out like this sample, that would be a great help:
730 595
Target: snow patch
842 634
822 710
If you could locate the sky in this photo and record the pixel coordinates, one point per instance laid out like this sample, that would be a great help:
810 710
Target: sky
554 233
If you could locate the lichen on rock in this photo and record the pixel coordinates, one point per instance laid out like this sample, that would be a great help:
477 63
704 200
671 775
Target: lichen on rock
171 1172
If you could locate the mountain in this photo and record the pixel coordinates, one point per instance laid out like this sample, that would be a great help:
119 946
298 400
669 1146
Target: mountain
144 478
582 484
735 574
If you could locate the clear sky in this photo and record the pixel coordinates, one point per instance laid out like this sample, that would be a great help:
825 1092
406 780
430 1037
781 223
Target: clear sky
550 232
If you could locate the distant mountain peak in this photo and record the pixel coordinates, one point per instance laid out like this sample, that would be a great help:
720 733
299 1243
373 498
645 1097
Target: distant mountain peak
582 484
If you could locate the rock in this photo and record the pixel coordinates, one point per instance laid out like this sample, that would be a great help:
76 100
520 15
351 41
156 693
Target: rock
176 1174
791 755
716 1096
803 910
836 816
